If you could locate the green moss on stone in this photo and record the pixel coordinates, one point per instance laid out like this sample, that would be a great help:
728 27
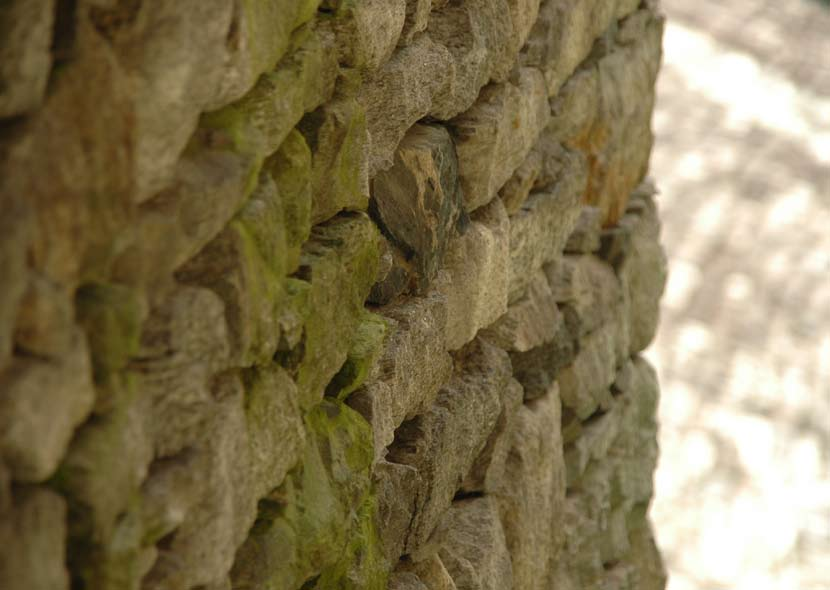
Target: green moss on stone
320 523
364 353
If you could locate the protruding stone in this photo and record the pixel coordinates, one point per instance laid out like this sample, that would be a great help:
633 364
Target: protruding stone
417 18
368 30
393 275
444 443
475 552
418 200
431 572
539 231
585 384
531 321
538 368
337 135
476 281
530 503
41 405
495 135
585 237
517 189
396 488
411 370
33 534
25 57
45 320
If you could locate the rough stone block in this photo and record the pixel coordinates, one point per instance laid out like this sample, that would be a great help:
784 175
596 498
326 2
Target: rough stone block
495 135
416 21
530 503
368 30
45 319
25 57
444 443
585 384
585 237
540 229
41 405
33 533
531 321
477 267
517 189
431 572
418 200
475 550
412 368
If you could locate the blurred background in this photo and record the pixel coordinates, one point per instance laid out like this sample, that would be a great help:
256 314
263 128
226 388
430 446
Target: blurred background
743 163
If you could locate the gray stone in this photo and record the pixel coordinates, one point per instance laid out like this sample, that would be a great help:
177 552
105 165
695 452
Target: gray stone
417 19
33 533
42 404
530 503
368 31
539 231
496 134
412 368
643 273
25 57
585 384
414 76
396 487
444 443
585 237
516 190
475 283
393 276
538 368
336 133
418 199
531 321
475 550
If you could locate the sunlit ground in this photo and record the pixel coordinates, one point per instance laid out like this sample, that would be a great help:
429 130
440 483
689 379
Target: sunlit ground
743 162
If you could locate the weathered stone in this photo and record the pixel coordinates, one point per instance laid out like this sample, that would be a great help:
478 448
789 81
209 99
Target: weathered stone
531 321
414 75
539 231
538 368
361 362
413 367
593 443
337 266
393 275
516 190
41 405
396 488
290 167
495 135
405 581
261 120
477 267
475 551
245 265
585 384
585 237
564 35
530 503
368 30
45 319
184 342
590 292
336 133
417 18
15 226
257 37
431 572
643 274
33 534
418 200
209 186
322 518
477 35
444 443
275 427
605 111
25 57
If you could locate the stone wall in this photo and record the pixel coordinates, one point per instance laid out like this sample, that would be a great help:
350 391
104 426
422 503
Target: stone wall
327 294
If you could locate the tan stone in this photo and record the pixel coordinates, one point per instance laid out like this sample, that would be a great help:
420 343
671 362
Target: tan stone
41 405
477 266
495 135
475 550
368 31
413 367
33 534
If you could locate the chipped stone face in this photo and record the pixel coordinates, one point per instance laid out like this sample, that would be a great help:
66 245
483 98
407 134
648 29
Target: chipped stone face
496 134
327 294
418 200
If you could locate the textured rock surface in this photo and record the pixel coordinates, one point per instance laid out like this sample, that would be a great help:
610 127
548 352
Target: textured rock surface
304 295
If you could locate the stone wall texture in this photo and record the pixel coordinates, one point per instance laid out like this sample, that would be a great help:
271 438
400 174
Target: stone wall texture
327 294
